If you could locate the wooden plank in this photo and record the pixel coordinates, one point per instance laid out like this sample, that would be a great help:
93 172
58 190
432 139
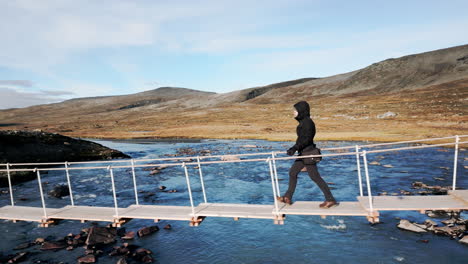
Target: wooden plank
25 213
87 213
235 210
413 203
312 208
158 212
460 194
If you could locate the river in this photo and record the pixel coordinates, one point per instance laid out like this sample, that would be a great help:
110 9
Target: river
302 239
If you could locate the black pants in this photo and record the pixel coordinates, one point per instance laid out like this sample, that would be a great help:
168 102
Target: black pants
313 174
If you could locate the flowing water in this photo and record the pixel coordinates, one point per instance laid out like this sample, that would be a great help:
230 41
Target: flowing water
303 239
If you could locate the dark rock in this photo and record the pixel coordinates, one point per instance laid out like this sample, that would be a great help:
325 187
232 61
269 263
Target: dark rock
121 231
59 191
162 187
153 172
143 255
129 235
147 230
101 235
53 245
147 259
38 146
24 245
87 259
70 248
19 257
407 225
39 240
168 226
122 261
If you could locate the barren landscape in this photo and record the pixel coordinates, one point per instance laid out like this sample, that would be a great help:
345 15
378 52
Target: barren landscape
417 96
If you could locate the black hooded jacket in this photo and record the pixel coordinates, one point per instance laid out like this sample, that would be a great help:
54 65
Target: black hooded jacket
306 128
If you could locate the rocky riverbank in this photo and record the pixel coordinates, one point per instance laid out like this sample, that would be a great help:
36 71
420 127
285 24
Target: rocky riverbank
37 146
94 242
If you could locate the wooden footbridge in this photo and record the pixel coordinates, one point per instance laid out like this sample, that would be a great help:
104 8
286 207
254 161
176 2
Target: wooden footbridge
365 204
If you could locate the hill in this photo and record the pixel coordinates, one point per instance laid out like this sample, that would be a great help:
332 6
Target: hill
424 95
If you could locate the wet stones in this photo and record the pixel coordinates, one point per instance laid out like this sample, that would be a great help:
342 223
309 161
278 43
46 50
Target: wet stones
147 230
19 257
24 245
168 227
87 259
407 225
59 191
53 245
129 236
101 235
464 240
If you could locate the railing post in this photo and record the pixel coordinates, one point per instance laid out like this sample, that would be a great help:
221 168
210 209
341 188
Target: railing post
113 191
273 186
358 161
134 181
189 189
69 184
369 193
9 184
201 179
273 156
42 194
455 162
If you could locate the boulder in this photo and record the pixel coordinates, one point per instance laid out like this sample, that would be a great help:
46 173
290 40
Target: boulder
387 115
38 146
18 257
122 261
407 225
147 231
24 245
464 240
168 227
53 245
87 259
60 191
101 235
129 235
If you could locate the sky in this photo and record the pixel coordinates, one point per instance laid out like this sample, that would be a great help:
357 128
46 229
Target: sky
54 50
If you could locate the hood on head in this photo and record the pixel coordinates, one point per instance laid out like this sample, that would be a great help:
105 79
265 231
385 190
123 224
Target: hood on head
303 109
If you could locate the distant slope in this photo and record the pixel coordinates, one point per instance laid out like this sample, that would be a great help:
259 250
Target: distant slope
432 84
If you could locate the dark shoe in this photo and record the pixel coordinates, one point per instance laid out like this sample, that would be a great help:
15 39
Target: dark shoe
328 204
284 199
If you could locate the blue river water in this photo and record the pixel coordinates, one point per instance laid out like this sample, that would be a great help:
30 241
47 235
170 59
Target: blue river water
302 239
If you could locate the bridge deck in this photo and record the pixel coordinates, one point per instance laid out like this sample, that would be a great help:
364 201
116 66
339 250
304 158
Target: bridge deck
456 200
460 195
24 213
312 208
414 203
235 210
158 212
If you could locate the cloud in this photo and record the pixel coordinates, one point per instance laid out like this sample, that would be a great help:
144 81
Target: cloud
11 98
22 83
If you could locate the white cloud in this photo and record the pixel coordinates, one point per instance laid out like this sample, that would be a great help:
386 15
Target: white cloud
22 83
12 98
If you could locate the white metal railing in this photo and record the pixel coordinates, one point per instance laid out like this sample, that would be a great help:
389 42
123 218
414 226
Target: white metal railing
271 160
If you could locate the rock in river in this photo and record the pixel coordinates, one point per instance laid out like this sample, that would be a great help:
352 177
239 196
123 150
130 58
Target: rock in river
101 235
38 146
407 225
59 191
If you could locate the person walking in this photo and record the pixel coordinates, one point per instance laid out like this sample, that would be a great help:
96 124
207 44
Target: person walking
305 140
